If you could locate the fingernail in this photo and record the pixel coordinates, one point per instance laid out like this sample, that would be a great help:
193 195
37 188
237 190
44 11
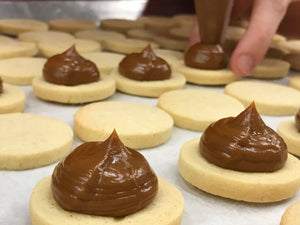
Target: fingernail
245 64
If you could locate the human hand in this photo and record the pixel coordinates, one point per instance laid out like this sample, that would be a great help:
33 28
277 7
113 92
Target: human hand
265 18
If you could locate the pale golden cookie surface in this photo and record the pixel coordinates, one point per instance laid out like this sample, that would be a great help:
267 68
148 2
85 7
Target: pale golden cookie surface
140 34
166 209
206 77
291 45
170 43
242 186
17 49
120 25
77 94
148 88
295 82
105 61
53 47
31 140
180 32
270 99
4 38
291 216
126 45
196 109
21 70
271 68
12 99
38 36
184 20
99 35
72 25
291 136
171 56
138 125
157 23
17 26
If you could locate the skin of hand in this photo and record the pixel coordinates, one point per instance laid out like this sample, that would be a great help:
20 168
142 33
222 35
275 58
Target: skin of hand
265 18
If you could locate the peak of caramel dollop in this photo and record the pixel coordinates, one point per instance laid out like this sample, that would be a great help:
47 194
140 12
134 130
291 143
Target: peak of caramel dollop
243 143
205 56
69 68
1 86
104 178
297 120
144 66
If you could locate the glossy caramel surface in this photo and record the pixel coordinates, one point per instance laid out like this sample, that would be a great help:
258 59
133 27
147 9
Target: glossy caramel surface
69 68
243 143
145 66
104 178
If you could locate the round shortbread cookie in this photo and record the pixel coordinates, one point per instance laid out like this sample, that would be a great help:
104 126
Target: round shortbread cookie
242 186
17 26
12 99
181 32
72 25
197 109
206 77
4 38
270 99
140 34
126 45
291 215
294 60
148 88
170 43
184 20
38 36
138 125
105 61
295 82
120 25
291 136
31 140
157 23
17 49
291 45
53 47
171 56
76 94
165 209
236 33
98 35
271 68
21 70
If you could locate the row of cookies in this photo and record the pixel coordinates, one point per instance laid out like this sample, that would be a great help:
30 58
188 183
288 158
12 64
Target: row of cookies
87 31
279 181
143 81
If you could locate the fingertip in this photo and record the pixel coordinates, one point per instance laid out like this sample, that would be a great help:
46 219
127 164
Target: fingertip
242 64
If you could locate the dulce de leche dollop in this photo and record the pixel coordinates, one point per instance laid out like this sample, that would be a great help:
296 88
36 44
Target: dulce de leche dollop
297 120
243 143
104 178
69 68
144 66
205 56
212 18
